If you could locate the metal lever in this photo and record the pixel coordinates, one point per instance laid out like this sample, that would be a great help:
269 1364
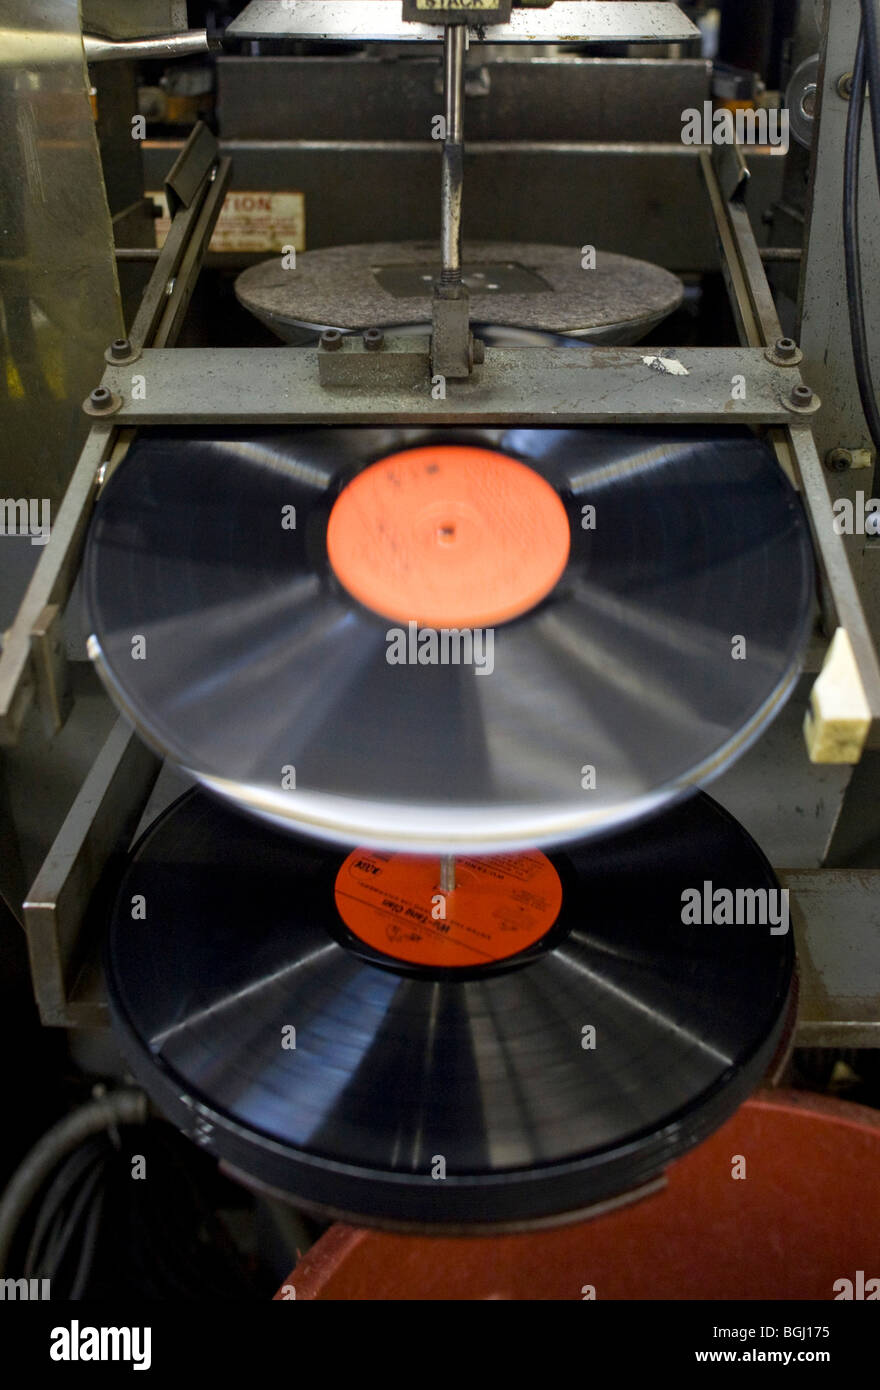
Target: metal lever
451 338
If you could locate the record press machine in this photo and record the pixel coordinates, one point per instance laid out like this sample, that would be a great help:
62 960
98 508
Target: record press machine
462 436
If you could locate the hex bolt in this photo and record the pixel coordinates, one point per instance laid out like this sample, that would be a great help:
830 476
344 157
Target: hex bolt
100 397
331 340
802 396
120 348
785 348
374 339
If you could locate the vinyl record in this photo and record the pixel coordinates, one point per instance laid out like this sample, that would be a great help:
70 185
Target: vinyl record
624 611
318 1059
523 285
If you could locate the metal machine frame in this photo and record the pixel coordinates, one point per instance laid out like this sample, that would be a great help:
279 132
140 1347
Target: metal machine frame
288 385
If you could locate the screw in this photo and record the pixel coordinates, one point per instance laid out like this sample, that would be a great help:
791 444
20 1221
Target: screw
838 460
785 348
100 396
802 395
844 86
331 340
120 348
374 339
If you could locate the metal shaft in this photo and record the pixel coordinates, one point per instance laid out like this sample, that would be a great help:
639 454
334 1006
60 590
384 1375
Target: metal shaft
447 873
452 177
99 50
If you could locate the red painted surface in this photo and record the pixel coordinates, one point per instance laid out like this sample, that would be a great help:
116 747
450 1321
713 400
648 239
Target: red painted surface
806 1214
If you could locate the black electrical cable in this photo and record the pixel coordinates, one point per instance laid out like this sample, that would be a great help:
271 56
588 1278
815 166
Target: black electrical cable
80 1207
88 1246
66 1181
870 29
852 253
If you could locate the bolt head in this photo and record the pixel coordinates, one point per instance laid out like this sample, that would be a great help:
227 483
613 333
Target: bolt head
838 460
374 339
100 395
120 348
802 395
331 340
785 348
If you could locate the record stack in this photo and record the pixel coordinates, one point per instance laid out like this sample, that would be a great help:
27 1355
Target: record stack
446 938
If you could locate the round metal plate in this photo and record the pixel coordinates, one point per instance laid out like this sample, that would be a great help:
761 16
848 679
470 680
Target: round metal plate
517 284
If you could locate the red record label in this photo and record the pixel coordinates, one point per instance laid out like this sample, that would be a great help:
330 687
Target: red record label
500 905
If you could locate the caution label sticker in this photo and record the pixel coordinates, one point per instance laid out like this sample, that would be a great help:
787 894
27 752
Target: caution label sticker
249 221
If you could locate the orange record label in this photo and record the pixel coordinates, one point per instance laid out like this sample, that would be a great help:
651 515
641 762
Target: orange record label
500 905
448 536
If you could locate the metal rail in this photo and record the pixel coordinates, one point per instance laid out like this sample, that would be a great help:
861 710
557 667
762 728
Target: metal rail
200 182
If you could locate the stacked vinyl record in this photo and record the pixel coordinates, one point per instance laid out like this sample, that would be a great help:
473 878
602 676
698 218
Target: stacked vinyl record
524 648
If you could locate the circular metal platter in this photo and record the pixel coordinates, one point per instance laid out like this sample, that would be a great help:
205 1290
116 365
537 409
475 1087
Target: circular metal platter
674 634
382 284
394 1069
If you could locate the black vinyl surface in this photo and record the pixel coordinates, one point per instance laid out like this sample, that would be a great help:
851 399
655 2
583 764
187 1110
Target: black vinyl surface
394 1069
257 659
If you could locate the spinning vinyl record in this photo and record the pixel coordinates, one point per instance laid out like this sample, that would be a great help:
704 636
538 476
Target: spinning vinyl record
558 1032
449 640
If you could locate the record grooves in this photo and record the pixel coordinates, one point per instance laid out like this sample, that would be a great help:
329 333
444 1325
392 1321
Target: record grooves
395 1066
665 557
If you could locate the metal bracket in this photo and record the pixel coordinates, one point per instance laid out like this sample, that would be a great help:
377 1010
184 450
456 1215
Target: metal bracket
399 362
190 168
461 12
101 821
54 695
758 324
452 343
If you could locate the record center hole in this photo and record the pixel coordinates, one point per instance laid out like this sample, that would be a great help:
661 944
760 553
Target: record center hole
446 533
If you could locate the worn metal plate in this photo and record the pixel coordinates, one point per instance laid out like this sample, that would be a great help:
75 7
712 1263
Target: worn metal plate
618 299
566 21
517 385
495 277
